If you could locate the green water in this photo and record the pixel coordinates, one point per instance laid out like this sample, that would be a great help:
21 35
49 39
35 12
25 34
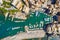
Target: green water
7 25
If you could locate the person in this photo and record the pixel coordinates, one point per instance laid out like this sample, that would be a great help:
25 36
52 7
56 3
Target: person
55 18
58 15
47 10
53 1
58 25
48 29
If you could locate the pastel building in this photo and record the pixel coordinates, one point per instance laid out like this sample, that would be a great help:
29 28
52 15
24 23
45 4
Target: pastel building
14 2
17 3
1 2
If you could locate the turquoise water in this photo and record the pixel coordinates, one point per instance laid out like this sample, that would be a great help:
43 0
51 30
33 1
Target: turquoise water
7 25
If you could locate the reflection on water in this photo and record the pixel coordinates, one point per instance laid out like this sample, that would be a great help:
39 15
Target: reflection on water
7 26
